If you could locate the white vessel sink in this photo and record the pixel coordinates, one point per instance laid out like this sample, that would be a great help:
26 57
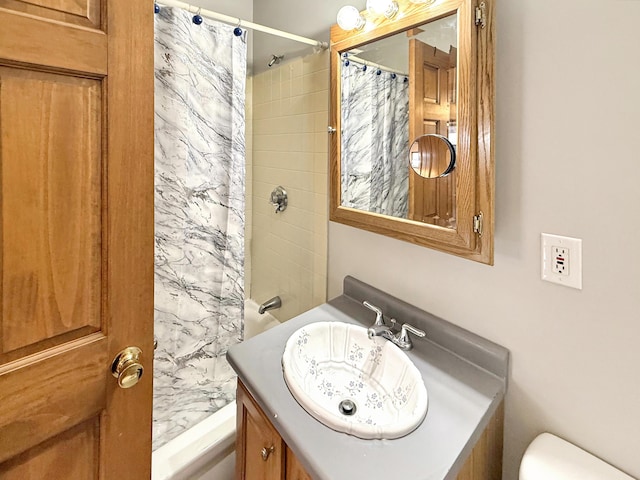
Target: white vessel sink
365 387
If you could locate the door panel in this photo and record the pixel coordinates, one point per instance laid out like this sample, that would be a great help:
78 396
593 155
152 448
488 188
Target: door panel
85 13
48 393
75 7
45 43
76 237
51 211
431 84
52 459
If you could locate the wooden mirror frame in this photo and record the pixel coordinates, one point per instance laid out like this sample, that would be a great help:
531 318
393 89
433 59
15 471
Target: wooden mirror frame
473 236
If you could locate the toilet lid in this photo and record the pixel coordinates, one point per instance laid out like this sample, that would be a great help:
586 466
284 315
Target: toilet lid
551 458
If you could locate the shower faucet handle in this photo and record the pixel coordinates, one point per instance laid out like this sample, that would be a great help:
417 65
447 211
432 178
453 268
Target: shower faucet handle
279 199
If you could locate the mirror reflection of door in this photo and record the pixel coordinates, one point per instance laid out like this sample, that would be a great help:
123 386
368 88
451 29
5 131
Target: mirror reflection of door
432 103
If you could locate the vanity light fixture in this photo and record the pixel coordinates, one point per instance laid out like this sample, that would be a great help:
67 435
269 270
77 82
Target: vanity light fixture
388 8
349 18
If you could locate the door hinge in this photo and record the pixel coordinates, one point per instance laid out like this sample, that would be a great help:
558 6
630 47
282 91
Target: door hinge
481 15
477 224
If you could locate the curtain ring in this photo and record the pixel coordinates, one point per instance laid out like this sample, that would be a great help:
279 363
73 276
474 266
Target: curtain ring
197 19
238 31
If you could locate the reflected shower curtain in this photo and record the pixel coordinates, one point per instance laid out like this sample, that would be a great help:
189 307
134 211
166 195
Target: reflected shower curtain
200 73
375 140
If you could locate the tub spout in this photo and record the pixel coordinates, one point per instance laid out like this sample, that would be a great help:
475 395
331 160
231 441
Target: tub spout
270 304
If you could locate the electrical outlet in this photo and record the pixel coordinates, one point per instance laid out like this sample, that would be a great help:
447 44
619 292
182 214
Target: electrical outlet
561 260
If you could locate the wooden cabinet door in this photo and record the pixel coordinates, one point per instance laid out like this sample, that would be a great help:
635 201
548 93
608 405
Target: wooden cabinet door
76 237
295 470
260 451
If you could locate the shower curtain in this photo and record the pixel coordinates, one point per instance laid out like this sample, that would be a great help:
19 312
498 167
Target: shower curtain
375 140
200 73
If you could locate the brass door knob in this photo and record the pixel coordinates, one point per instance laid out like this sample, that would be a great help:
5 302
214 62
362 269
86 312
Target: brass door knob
126 367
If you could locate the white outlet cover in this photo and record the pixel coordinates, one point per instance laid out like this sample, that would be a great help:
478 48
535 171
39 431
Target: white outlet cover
574 246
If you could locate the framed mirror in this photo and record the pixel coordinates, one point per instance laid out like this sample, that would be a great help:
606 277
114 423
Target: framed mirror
412 107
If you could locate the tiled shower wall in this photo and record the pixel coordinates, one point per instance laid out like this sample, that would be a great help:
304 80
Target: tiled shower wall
290 148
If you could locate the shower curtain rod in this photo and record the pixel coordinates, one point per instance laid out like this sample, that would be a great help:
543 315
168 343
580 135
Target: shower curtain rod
242 23
376 65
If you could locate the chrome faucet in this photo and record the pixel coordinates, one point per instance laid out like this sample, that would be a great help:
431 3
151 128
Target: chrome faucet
380 329
403 340
270 304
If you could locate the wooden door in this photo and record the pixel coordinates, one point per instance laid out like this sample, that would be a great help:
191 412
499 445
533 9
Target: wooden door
433 107
76 237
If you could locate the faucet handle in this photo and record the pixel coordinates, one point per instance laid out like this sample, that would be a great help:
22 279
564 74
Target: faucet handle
403 339
378 311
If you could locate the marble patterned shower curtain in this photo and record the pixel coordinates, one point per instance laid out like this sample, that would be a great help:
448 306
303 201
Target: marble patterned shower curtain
375 141
200 73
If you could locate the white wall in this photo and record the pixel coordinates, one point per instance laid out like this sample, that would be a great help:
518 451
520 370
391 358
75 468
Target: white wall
568 162
309 18
234 8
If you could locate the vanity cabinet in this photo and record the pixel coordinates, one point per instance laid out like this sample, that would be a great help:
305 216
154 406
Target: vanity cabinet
261 454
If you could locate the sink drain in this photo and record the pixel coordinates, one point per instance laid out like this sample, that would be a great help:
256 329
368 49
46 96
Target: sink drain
347 407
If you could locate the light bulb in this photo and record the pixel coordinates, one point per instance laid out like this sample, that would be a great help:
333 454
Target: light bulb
349 18
388 8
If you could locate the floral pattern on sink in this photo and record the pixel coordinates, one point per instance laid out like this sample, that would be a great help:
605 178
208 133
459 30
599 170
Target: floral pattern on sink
325 363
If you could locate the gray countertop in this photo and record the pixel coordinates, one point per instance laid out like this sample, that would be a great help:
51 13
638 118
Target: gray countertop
465 376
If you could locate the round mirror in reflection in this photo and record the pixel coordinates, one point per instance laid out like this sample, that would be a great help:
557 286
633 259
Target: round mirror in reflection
432 156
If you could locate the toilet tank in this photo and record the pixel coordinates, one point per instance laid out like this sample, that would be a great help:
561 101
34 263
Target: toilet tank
551 458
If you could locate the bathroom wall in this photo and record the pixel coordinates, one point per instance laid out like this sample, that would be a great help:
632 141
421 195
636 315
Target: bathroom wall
568 148
309 18
234 8
289 249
